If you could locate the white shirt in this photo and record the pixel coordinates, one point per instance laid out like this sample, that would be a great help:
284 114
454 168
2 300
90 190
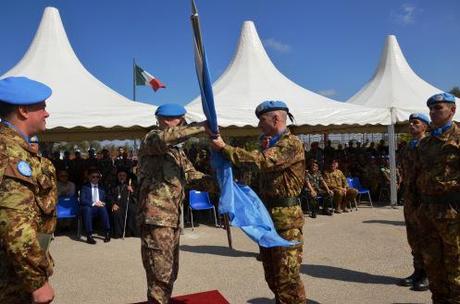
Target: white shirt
94 193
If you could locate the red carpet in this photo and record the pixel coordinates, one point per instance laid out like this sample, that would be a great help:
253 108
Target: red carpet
207 297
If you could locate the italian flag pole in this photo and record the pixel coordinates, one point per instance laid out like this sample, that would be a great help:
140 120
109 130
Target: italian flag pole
141 77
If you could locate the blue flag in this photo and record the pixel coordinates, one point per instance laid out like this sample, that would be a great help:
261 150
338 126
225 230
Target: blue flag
241 203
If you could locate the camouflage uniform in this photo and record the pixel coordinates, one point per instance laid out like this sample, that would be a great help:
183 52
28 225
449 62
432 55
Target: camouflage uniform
282 175
408 158
437 176
336 180
316 181
27 219
164 172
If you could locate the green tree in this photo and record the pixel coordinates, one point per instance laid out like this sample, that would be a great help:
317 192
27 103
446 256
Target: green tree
455 91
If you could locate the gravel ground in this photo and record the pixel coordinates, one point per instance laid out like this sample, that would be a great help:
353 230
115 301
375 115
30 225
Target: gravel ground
348 258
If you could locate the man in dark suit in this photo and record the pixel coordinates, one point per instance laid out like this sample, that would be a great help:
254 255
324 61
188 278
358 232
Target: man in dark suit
92 201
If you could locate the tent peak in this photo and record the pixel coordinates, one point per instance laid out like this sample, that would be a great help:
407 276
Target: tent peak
51 10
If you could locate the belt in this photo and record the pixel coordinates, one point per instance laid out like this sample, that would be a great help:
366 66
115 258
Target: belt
44 239
447 198
283 202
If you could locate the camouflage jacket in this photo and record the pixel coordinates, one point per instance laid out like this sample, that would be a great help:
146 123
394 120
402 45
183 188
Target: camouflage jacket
407 159
27 211
164 170
281 175
437 170
335 179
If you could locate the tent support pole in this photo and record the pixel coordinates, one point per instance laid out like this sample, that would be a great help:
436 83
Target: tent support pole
392 150
134 79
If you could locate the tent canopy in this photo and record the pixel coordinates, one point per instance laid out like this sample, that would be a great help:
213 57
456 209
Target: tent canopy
81 106
251 78
395 86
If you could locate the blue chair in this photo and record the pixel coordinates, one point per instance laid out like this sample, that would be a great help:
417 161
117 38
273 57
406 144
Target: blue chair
361 190
199 200
67 208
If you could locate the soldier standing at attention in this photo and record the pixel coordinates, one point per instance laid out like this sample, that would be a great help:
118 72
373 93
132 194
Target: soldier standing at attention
164 172
281 164
437 175
418 125
27 195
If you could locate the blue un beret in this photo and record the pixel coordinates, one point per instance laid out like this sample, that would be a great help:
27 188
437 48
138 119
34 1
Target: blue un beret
441 97
420 116
170 110
23 91
270 105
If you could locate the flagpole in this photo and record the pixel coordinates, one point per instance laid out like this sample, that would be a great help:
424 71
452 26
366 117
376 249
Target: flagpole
134 79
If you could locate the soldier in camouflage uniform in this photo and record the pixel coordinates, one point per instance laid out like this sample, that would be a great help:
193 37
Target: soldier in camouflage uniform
418 124
281 164
337 182
28 195
316 187
164 172
437 188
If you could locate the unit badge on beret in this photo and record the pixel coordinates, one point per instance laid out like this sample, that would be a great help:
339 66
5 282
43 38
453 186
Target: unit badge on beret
24 168
439 97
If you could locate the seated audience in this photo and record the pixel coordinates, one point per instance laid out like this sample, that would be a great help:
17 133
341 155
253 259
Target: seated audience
123 205
64 186
92 201
337 182
316 189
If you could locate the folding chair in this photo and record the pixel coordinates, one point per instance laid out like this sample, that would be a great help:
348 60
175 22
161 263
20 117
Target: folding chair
351 185
361 190
67 207
199 200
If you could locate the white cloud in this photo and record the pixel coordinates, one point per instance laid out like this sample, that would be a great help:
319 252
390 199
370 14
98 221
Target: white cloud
277 45
406 14
328 92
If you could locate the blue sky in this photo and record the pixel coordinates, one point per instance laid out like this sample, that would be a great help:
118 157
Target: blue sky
328 46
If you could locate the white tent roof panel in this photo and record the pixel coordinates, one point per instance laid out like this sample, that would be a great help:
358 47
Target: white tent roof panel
251 78
79 99
396 86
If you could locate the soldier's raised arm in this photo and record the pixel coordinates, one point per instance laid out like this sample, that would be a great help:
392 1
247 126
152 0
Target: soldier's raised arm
156 142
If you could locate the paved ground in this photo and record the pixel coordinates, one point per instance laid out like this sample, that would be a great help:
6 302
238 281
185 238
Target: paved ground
349 258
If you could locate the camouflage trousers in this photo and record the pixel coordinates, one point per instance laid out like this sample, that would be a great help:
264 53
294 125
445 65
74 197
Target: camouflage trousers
160 256
413 234
341 200
440 240
10 291
282 269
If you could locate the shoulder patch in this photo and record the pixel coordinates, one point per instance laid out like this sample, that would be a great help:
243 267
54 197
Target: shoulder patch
24 168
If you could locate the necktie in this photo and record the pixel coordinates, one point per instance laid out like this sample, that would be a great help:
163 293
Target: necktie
95 194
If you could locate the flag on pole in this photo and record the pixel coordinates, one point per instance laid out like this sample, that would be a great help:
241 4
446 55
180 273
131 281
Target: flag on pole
143 78
240 202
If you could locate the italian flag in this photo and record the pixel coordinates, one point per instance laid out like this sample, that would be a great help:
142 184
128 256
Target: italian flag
144 78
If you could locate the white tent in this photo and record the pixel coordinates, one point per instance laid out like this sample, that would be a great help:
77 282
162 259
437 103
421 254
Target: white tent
395 86
251 78
81 106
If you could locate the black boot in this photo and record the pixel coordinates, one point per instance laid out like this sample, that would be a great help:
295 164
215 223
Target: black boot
409 281
90 239
420 283
107 237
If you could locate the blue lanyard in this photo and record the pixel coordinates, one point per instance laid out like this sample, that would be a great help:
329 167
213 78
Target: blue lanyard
11 126
413 143
441 130
274 139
